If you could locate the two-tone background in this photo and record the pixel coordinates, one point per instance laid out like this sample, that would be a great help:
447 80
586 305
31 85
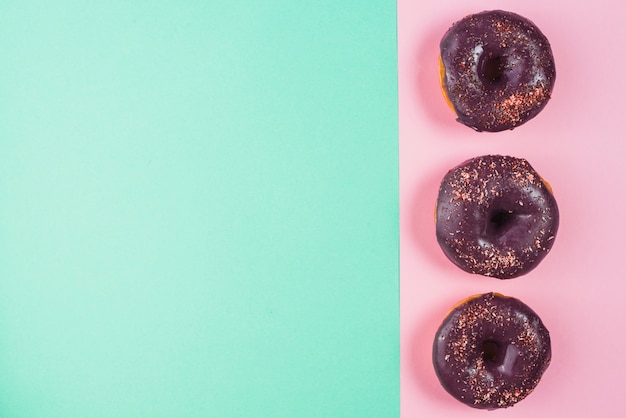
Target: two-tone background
224 208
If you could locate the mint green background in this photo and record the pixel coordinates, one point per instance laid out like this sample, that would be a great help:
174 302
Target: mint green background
198 209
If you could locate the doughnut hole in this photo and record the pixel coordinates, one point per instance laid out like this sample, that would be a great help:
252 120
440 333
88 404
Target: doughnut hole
490 351
500 221
502 224
491 70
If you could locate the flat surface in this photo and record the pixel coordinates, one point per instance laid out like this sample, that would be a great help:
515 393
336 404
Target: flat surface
198 209
577 144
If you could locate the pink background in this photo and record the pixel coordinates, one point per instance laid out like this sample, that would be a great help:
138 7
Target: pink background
577 144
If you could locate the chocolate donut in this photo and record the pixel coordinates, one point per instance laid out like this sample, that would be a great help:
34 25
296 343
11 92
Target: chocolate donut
497 70
495 216
491 351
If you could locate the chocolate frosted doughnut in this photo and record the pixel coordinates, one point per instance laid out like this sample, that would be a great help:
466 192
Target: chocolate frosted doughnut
491 351
495 216
497 70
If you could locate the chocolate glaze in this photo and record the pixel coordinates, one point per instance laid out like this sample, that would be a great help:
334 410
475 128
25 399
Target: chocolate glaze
498 70
495 216
491 351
